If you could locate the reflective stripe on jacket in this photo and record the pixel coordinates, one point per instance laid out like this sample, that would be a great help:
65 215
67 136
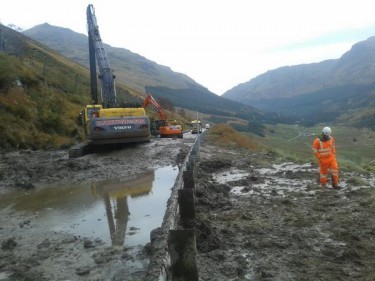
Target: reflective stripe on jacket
324 148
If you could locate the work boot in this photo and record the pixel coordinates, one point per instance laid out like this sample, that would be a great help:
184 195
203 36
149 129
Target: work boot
335 185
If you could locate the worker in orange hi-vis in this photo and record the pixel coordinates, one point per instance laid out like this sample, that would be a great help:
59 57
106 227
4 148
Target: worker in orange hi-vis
325 150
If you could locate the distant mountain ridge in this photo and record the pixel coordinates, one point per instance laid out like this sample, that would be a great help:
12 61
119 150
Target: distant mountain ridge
317 92
356 66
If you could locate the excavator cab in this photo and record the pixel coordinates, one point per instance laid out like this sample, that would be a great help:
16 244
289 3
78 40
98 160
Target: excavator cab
92 111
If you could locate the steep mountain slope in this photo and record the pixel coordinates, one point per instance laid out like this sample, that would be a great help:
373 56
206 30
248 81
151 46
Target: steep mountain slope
131 69
318 92
139 73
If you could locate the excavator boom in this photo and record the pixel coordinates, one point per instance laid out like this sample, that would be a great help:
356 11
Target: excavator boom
150 100
106 122
98 55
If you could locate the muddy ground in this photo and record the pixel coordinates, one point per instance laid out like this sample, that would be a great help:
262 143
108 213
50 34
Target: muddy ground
31 253
258 217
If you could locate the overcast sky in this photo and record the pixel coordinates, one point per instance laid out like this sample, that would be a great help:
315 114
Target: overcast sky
218 43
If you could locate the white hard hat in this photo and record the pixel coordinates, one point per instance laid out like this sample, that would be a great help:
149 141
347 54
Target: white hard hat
327 131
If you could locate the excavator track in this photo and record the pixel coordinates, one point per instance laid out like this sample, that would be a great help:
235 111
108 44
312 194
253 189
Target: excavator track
79 150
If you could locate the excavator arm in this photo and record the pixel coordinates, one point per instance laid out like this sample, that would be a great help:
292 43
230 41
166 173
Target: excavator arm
150 100
98 55
165 129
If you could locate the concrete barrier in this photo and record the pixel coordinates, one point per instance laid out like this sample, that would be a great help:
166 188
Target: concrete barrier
183 252
173 249
186 202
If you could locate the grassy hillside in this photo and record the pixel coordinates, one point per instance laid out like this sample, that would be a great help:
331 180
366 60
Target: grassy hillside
41 94
355 147
225 135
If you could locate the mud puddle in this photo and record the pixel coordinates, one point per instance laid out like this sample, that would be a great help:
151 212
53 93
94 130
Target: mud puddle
281 179
119 211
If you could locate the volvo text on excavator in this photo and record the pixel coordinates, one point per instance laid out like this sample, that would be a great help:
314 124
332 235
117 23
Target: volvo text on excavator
164 128
105 121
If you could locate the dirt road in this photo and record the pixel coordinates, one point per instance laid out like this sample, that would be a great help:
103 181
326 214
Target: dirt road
258 217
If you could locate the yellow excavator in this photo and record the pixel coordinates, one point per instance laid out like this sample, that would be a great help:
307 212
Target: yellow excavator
104 120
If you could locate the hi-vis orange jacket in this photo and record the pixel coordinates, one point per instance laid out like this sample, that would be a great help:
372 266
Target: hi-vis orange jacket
324 149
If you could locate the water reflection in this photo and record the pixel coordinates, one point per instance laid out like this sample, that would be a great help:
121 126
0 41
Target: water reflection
132 207
114 194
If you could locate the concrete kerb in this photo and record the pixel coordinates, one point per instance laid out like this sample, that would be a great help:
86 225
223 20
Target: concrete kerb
160 257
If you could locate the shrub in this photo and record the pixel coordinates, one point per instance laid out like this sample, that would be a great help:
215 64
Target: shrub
227 136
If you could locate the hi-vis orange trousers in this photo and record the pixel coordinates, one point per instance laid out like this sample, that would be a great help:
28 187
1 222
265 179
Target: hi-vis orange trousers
328 165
